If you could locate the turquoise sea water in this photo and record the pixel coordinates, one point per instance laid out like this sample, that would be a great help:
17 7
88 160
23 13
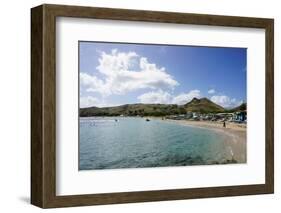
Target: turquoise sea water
135 143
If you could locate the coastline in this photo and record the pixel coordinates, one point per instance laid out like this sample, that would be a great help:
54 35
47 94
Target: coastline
234 134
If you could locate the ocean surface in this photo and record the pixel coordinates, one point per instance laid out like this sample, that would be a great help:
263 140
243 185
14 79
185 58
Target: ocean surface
132 142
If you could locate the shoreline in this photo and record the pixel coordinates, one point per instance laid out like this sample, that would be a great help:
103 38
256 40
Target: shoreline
235 135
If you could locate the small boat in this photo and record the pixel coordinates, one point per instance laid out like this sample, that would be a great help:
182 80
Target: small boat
147 119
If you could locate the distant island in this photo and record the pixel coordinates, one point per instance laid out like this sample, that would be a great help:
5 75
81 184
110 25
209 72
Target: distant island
196 105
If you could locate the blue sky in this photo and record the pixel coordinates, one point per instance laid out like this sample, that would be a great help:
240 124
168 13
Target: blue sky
118 73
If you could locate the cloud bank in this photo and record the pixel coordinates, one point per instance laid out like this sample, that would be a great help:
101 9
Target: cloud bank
126 72
225 101
161 97
89 101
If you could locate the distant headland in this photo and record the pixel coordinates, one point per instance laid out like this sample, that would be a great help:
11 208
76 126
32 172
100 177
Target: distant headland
196 105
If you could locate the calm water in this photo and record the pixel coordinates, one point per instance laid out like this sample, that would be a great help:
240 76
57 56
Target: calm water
136 143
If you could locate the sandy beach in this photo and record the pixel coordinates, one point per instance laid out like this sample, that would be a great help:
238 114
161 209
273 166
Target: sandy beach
235 135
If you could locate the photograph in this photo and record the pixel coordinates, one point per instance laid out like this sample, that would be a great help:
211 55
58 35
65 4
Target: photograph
153 105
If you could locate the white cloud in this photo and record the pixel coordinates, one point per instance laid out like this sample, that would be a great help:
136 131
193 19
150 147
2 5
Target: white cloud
211 91
92 83
125 72
89 101
166 98
225 101
186 97
157 97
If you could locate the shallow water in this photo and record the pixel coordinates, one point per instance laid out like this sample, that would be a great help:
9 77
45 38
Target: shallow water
132 142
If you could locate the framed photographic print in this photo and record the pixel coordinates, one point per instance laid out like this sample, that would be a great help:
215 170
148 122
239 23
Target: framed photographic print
136 106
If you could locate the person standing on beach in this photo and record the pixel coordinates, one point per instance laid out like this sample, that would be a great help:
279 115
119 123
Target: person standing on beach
224 124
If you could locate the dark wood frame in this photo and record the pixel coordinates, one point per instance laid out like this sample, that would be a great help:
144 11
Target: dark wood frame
43 105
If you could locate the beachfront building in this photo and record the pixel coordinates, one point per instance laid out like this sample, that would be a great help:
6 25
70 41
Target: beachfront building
240 116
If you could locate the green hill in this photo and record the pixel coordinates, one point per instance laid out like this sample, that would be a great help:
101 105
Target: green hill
133 110
241 107
202 105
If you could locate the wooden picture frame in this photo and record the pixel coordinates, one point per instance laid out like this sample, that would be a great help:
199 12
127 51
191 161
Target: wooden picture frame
43 105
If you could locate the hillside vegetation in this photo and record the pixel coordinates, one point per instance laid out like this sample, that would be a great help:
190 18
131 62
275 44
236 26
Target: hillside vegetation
203 105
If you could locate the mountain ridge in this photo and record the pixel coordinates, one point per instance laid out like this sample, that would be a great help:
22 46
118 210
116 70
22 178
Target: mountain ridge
199 105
